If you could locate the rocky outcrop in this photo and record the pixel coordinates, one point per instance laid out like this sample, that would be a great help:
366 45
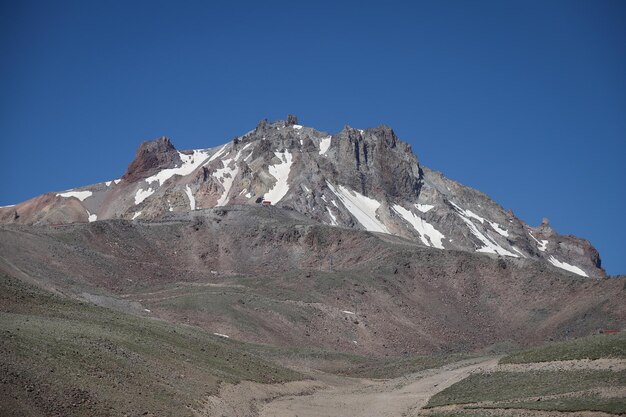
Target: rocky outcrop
152 157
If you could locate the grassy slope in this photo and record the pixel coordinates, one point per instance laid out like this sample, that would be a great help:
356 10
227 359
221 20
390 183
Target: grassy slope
592 347
62 357
506 386
514 390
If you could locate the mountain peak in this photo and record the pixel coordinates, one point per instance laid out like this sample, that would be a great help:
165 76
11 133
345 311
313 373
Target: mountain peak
362 179
151 157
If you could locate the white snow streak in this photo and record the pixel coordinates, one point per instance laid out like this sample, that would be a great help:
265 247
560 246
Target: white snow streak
81 195
241 151
494 225
333 219
136 215
324 145
424 208
490 245
108 183
361 207
189 164
498 229
216 154
542 246
428 234
281 173
348 312
297 127
222 335
567 267
192 199
226 176
143 194
117 181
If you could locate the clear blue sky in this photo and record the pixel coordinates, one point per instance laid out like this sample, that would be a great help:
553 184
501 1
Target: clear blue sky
524 100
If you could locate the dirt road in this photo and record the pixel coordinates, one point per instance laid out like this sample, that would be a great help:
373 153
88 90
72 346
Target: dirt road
348 397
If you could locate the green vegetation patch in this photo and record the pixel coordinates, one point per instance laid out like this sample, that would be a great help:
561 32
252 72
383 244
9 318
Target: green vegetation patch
62 357
507 386
592 347
569 404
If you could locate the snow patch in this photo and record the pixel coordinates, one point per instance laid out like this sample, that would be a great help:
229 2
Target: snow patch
81 195
108 183
468 213
324 145
541 245
347 312
192 200
361 207
498 229
217 154
490 245
333 219
10 205
91 217
241 151
567 267
189 164
117 181
281 173
226 176
424 208
225 336
428 234
136 215
297 127
143 194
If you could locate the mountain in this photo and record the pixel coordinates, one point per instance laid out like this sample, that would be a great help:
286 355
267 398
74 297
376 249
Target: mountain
366 179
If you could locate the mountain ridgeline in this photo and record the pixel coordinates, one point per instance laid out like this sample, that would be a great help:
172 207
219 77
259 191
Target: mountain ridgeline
365 179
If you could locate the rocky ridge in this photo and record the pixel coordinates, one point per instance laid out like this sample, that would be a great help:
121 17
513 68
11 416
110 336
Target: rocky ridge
358 178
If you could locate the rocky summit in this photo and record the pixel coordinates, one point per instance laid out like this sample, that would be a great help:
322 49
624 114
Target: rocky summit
364 179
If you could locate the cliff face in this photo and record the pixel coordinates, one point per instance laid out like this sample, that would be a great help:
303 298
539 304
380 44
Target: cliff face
362 179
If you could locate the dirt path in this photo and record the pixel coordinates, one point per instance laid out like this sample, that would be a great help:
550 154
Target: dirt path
351 397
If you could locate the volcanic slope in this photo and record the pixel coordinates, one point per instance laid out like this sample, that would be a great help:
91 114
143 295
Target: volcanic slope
366 179
274 276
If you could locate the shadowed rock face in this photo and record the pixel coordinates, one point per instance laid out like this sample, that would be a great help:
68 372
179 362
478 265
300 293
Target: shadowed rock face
366 179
